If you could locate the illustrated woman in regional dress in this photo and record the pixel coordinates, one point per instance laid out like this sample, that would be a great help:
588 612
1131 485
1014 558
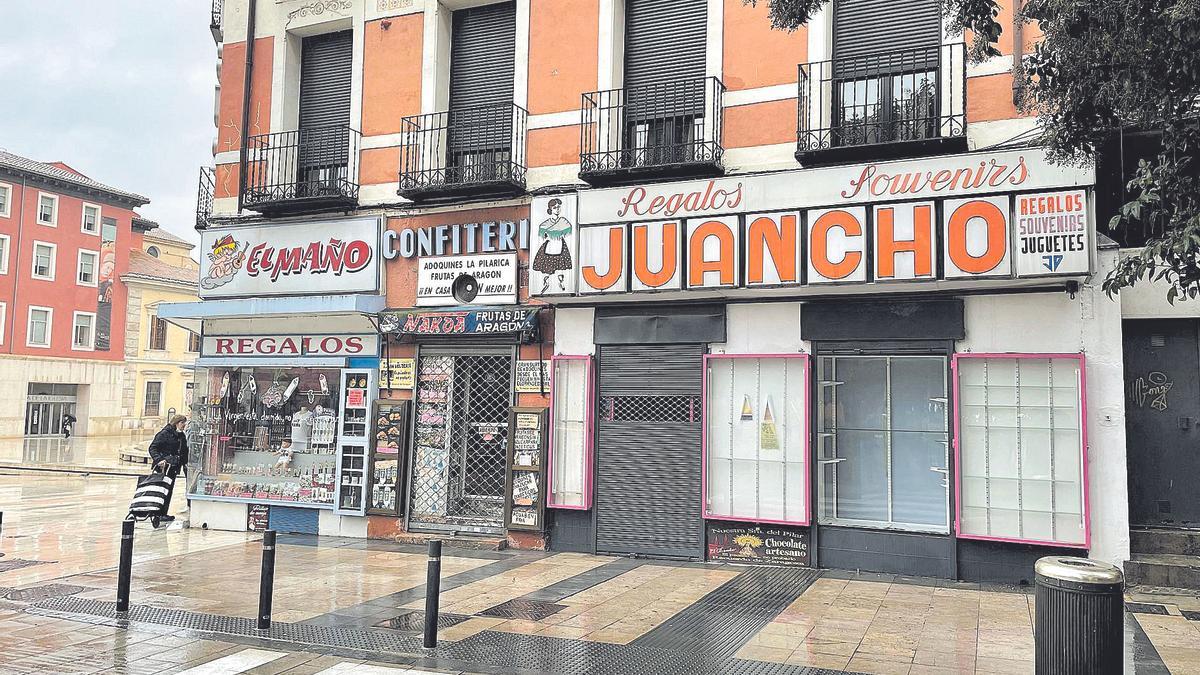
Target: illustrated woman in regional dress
553 258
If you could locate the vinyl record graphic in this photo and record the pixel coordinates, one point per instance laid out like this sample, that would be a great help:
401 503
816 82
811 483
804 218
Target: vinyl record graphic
465 288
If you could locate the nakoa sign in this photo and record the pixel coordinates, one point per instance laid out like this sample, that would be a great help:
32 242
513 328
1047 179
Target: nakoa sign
904 221
290 345
318 257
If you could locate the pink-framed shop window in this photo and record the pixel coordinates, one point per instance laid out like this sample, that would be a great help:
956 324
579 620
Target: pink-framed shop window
1020 448
755 445
570 444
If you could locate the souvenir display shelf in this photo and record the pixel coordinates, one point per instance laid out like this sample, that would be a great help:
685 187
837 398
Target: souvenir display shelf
354 437
266 434
392 420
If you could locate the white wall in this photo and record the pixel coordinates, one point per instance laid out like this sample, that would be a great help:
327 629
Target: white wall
99 398
746 335
574 330
1091 323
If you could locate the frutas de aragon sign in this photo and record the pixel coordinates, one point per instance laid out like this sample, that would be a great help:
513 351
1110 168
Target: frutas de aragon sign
945 218
312 257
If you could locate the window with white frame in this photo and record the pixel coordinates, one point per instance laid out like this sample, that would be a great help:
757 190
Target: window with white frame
569 443
38 330
43 260
1021 448
91 219
83 331
47 213
87 268
4 240
5 200
755 438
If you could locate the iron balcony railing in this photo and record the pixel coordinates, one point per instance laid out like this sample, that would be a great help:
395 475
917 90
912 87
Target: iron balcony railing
902 97
307 169
204 197
215 22
668 128
476 151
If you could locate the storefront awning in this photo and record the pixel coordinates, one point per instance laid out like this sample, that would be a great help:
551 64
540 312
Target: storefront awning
520 322
345 313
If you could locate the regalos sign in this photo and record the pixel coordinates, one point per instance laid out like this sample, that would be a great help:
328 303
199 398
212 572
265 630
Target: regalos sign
290 345
320 257
970 216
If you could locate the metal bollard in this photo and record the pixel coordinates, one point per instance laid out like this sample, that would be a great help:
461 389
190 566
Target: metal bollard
433 583
266 580
125 570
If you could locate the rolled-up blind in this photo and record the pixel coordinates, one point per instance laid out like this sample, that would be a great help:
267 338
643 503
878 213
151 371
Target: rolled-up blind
865 30
483 55
664 41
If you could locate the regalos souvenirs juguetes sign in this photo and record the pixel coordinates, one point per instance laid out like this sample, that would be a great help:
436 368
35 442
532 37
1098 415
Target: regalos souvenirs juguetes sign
997 216
316 257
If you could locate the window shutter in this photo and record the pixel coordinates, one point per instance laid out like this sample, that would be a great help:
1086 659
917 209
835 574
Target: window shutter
664 41
483 49
325 79
864 29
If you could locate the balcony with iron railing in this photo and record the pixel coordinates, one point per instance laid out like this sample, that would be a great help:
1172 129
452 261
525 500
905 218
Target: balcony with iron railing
469 153
902 103
215 24
204 197
307 170
660 130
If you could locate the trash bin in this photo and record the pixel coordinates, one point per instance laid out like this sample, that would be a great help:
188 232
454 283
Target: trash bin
1079 611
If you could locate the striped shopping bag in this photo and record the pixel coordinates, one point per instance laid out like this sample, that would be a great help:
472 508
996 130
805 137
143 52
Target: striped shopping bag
152 496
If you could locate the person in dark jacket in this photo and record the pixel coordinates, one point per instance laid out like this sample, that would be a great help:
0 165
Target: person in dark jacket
169 451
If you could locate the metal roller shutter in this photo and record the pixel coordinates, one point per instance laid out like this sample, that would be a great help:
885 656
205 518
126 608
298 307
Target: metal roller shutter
325 65
483 50
862 28
664 40
647 487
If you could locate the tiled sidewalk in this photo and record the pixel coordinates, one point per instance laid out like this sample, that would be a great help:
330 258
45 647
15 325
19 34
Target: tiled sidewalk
196 592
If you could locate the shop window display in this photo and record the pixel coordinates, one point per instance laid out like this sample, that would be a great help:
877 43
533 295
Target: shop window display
1021 448
266 434
755 433
570 458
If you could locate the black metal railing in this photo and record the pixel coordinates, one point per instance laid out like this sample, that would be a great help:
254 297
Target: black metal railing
215 22
900 96
664 127
204 197
314 167
478 150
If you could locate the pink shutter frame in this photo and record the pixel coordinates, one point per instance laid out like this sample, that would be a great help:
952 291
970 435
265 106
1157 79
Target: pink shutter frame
804 358
1083 439
588 415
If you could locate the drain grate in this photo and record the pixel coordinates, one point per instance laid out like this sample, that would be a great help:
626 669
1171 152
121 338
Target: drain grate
10 564
522 608
414 622
1190 615
1145 608
39 593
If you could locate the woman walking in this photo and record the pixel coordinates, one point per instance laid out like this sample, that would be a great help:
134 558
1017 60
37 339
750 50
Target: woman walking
168 454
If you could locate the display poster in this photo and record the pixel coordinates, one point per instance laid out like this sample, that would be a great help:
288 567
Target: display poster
356 398
1052 233
555 243
105 280
755 544
525 483
322 257
400 373
467 280
390 423
258 517
525 488
528 380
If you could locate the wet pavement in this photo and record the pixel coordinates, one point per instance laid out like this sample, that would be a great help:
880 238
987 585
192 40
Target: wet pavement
346 605
90 454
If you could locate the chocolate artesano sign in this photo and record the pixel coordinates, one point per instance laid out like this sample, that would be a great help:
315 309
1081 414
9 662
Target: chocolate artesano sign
971 216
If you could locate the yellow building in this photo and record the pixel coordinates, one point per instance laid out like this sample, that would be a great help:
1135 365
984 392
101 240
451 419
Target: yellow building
158 356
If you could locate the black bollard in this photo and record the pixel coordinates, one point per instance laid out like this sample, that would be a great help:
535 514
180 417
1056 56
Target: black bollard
266 580
126 566
433 585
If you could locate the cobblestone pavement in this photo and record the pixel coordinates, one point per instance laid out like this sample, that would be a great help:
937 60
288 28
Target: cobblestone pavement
343 605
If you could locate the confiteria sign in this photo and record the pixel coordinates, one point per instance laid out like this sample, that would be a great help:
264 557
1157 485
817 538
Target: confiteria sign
977 215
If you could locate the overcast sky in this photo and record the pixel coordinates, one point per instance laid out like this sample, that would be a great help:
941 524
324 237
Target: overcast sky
121 90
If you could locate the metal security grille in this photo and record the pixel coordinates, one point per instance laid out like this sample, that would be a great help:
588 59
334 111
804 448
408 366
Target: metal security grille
648 451
461 430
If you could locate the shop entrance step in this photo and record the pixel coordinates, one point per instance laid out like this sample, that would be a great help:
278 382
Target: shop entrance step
1163 569
473 542
1161 540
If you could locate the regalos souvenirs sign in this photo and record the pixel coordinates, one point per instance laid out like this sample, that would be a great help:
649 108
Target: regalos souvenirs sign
322 257
1005 215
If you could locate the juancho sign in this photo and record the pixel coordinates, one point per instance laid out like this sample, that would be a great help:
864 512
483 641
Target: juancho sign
973 216
323 257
